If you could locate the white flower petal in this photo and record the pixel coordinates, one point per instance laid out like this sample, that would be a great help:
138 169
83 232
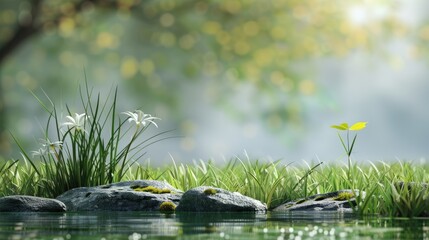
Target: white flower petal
71 119
140 118
77 122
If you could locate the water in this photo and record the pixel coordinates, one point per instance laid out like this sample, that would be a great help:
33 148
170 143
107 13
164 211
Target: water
141 225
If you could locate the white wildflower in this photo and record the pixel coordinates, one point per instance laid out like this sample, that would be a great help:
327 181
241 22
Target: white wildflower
77 122
47 147
140 118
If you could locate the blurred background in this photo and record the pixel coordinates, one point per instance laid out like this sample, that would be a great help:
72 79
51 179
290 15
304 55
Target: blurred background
266 78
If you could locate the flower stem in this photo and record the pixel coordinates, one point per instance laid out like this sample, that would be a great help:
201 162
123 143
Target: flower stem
349 159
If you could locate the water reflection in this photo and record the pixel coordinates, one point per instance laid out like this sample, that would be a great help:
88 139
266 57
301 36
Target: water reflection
197 223
140 225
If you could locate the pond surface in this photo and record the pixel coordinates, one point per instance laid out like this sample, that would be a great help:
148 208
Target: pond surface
142 225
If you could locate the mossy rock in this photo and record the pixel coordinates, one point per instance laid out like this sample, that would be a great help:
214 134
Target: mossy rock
343 200
23 203
139 195
211 199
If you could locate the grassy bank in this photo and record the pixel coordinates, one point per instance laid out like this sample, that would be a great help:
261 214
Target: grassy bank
269 182
99 145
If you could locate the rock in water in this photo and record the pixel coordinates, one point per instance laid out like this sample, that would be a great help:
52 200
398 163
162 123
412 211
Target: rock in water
139 195
22 203
210 199
343 200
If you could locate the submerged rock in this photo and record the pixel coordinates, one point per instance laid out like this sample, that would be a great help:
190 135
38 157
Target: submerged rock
210 199
139 195
343 200
22 203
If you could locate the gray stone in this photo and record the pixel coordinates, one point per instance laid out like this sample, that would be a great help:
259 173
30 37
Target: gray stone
323 202
21 203
210 199
122 196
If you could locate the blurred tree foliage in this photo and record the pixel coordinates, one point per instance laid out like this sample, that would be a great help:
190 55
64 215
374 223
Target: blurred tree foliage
160 45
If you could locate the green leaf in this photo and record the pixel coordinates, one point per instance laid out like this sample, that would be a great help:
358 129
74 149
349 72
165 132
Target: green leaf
342 126
351 147
358 126
344 145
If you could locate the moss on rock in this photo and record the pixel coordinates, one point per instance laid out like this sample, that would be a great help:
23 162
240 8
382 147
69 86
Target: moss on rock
151 189
342 196
210 191
167 207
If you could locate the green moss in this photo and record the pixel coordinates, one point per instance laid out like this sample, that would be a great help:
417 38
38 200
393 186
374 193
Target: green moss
167 207
210 191
151 189
344 196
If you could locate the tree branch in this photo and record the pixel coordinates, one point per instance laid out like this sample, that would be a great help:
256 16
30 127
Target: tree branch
23 32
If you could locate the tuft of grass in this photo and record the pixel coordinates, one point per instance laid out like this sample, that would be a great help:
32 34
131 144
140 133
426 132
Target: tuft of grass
19 178
6 166
409 199
90 148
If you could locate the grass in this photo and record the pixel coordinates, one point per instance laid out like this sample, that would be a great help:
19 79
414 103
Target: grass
270 182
